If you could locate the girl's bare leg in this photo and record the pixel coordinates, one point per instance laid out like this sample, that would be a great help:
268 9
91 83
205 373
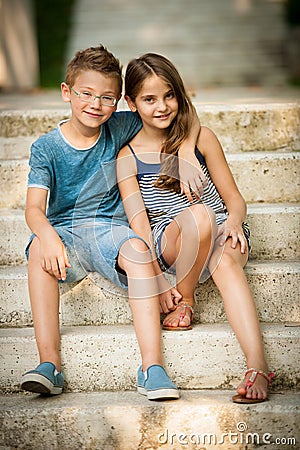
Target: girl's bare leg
135 259
44 299
188 242
230 278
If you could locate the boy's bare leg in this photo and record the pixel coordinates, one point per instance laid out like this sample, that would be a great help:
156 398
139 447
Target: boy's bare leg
44 299
189 241
135 259
240 309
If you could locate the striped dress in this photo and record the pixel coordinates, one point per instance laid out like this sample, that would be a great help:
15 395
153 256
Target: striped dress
162 205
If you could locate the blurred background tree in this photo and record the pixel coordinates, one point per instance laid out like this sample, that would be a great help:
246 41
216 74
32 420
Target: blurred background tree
292 44
292 12
53 21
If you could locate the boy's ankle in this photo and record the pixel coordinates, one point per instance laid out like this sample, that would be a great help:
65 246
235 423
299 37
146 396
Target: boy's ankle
53 361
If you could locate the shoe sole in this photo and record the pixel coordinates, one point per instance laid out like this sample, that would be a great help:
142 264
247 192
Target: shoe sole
159 394
39 384
244 400
189 327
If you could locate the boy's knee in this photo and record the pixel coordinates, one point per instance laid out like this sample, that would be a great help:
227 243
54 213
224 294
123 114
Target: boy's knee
34 249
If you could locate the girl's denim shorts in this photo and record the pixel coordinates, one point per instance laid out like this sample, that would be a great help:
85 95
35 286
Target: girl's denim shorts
94 247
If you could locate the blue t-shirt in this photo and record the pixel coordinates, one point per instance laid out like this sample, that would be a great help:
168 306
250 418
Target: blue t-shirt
82 184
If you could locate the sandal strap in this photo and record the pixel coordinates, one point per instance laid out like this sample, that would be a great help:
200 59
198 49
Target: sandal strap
254 375
184 307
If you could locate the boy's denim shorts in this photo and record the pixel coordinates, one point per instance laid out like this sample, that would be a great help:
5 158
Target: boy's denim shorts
94 248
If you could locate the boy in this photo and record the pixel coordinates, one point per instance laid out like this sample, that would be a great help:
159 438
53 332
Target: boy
85 228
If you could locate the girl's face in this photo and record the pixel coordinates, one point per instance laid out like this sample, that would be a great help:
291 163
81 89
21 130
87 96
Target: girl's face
156 103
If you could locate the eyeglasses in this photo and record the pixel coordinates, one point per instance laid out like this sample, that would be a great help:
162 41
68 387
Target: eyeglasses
88 97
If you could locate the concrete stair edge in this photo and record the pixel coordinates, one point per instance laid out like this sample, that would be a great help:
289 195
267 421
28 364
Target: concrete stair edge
107 357
127 421
96 301
254 173
270 224
246 126
18 148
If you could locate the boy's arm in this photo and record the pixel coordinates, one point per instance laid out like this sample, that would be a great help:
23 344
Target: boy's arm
191 176
53 255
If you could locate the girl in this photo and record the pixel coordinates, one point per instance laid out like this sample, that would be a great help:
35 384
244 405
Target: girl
188 237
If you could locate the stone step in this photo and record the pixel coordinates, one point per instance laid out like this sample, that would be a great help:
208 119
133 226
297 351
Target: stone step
253 127
275 233
14 148
214 37
256 174
274 230
266 177
107 357
96 301
128 421
242 127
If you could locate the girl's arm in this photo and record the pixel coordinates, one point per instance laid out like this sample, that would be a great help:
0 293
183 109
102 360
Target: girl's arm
192 179
53 255
222 178
139 222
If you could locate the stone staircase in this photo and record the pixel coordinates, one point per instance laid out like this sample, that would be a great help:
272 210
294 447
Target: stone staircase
212 43
100 408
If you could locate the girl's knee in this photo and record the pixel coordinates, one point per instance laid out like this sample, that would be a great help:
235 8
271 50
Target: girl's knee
222 260
134 251
227 260
203 219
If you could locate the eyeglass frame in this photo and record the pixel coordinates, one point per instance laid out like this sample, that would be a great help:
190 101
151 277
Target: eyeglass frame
94 97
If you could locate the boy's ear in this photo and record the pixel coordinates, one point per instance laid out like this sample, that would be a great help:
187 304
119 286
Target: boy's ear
65 92
130 103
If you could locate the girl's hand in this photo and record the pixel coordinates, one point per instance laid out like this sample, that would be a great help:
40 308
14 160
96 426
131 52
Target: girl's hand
168 300
168 296
54 258
192 178
235 232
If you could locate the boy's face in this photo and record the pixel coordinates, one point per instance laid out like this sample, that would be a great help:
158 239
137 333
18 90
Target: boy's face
93 112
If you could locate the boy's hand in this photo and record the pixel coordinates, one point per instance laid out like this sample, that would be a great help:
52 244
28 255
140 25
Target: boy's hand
192 178
54 258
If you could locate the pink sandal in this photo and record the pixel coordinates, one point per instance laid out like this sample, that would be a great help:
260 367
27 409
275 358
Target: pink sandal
254 374
184 307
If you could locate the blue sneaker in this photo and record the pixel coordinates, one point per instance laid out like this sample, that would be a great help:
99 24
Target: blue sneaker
45 379
156 384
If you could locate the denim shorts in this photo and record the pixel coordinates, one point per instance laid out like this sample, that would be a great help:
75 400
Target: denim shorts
94 247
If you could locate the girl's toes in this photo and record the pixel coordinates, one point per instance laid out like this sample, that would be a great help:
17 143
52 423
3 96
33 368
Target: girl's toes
169 322
251 393
185 322
242 389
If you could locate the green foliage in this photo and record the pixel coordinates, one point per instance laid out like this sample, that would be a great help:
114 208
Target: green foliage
292 12
53 22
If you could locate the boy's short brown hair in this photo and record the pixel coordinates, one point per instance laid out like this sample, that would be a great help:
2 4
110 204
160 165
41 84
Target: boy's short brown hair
94 58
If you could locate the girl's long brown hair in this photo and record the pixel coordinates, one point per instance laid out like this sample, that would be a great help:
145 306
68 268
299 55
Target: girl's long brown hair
138 70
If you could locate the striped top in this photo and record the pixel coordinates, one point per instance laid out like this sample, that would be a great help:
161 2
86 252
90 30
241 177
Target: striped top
163 205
